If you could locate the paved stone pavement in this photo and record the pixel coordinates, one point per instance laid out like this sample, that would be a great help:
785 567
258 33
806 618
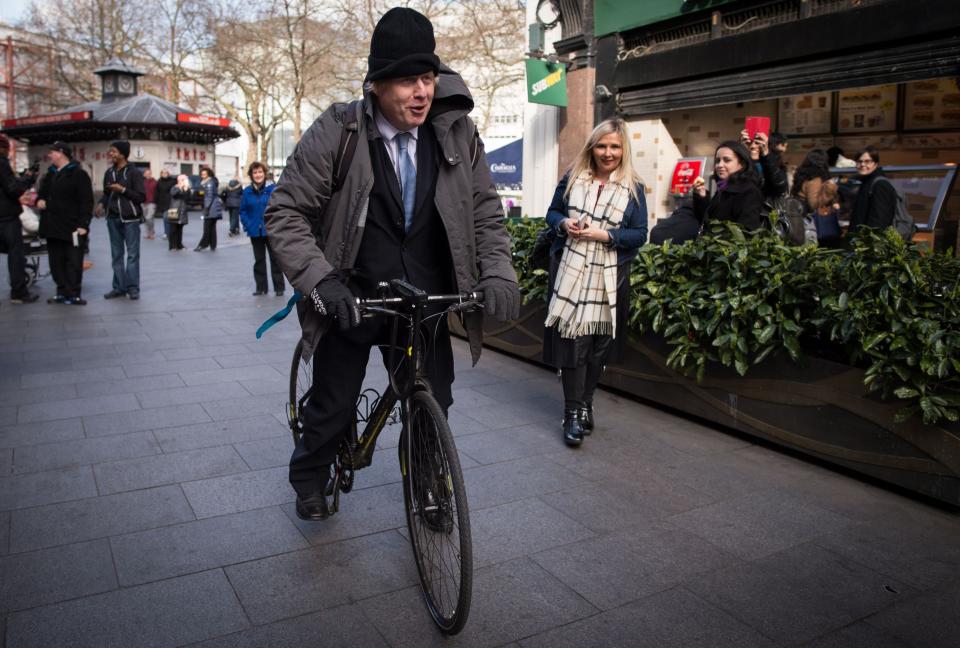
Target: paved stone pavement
144 502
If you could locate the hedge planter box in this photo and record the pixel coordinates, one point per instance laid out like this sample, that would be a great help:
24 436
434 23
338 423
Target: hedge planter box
818 408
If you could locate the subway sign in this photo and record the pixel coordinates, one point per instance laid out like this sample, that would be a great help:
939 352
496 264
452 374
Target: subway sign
546 83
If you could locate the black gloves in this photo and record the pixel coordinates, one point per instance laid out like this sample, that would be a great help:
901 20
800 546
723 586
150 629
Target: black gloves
501 298
331 297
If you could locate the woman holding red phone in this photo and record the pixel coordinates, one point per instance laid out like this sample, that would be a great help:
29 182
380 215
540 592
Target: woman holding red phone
738 196
600 215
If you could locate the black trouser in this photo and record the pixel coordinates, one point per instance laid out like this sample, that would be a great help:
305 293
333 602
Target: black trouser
11 242
175 237
66 266
339 366
580 382
209 238
261 249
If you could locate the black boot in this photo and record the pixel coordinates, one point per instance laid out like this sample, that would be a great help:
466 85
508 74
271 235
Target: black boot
586 418
572 430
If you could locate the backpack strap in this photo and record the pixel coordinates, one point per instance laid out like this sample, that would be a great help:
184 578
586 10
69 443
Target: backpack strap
474 147
348 145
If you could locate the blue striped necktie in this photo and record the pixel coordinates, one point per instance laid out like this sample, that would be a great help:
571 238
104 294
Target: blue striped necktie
408 179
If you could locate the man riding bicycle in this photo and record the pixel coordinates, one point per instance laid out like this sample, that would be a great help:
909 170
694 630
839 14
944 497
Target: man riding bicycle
416 202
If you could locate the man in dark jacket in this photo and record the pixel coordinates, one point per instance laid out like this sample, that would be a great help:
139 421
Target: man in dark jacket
417 202
230 197
164 185
65 199
11 236
123 196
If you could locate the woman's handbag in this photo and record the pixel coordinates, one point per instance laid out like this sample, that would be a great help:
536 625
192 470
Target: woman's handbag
173 215
540 254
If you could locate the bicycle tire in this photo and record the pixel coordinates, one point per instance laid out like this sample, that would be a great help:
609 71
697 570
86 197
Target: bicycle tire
439 527
301 381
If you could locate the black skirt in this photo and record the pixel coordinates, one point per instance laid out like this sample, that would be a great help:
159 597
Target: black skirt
573 352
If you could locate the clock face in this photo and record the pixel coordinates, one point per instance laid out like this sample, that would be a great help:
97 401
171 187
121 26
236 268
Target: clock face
110 84
126 84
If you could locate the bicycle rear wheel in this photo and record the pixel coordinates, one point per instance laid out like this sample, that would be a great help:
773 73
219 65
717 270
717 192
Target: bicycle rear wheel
301 384
437 514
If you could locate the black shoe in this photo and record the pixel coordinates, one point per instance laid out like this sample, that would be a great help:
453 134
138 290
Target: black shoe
113 294
312 508
572 429
279 293
134 295
257 293
56 299
25 298
586 418
199 249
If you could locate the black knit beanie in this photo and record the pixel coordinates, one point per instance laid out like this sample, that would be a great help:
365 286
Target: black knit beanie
123 146
402 46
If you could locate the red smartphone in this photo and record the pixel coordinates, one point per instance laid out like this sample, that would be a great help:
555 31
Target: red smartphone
756 125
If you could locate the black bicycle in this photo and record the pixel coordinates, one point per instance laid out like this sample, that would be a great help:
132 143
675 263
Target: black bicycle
433 490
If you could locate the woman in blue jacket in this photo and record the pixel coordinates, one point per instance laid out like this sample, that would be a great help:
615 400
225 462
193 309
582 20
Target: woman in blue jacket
252 205
600 214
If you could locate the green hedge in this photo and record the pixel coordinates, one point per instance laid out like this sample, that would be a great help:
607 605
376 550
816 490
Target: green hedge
881 304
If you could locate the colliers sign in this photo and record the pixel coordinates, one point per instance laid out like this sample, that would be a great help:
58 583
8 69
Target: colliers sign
546 83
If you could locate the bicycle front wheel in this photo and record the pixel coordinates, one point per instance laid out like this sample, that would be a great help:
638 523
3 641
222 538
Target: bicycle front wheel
301 384
437 514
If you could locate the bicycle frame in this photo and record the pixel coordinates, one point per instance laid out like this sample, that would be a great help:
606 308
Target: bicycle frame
413 301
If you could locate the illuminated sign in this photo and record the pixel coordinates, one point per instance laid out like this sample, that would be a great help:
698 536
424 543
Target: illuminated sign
43 120
203 120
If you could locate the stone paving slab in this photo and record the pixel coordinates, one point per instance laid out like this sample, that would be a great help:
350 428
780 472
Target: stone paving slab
511 600
321 577
659 531
800 593
158 615
85 451
162 469
97 517
181 549
37 489
54 575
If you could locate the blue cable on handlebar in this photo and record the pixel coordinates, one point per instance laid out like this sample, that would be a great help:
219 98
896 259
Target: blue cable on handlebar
280 314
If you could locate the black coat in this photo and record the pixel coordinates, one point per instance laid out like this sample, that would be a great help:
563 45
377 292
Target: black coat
69 196
741 202
127 204
162 194
11 188
875 205
773 176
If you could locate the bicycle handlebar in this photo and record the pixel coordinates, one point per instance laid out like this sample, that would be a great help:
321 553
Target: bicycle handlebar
473 297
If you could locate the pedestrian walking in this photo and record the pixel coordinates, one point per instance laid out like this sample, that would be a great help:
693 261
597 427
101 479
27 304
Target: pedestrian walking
417 202
122 204
149 202
600 216
164 185
253 203
12 187
212 210
178 213
876 198
65 200
230 197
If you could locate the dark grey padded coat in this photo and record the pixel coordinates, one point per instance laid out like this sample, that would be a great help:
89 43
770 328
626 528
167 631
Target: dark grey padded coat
466 199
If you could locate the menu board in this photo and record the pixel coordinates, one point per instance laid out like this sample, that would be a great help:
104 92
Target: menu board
807 114
867 110
932 105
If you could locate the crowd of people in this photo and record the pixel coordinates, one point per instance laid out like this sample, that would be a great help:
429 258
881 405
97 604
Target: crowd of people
131 200
418 222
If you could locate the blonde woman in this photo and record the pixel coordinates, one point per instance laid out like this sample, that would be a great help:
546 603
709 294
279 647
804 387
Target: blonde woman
600 216
179 194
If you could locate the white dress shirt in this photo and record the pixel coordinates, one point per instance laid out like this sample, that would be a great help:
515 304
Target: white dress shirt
389 134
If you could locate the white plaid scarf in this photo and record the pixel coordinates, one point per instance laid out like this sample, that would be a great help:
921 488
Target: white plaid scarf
584 296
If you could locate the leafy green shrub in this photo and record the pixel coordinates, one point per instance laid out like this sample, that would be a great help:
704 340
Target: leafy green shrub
898 312
736 300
